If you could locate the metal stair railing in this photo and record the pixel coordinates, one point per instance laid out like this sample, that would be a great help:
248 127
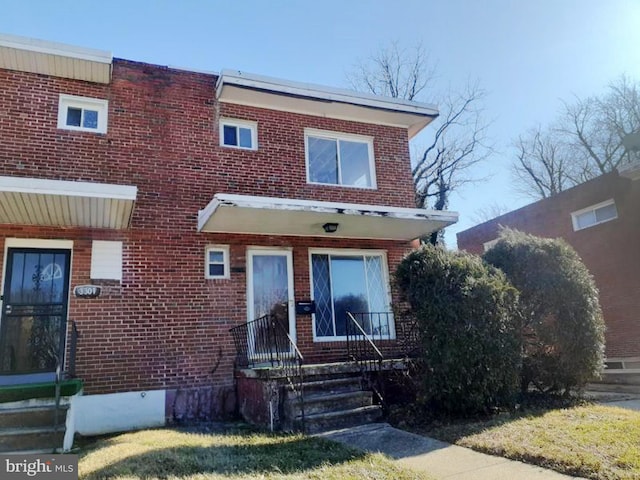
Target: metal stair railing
266 341
362 350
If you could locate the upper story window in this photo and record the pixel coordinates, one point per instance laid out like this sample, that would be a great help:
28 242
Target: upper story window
216 261
338 159
238 134
594 215
82 113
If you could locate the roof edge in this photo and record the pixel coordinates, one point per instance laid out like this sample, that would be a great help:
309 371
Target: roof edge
55 48
321 92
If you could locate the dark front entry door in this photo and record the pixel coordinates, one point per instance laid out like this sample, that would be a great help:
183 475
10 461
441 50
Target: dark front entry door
34 311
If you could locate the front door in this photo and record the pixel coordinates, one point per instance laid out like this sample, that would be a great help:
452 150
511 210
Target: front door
34 313
270 293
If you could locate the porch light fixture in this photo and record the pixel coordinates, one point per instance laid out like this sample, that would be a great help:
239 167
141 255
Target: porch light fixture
330 227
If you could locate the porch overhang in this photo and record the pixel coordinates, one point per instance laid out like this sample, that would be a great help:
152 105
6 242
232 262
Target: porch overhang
228 213
37 201
256 90
56 59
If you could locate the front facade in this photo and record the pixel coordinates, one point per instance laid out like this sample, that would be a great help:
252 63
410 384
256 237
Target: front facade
600 220
154 209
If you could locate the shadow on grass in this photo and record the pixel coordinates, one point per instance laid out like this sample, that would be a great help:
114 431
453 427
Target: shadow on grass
452 429
285 455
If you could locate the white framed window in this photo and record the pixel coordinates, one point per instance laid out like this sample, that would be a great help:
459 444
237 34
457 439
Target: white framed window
594 215
339 159
216 261
106 260
354 281
238 134
490 244
82 113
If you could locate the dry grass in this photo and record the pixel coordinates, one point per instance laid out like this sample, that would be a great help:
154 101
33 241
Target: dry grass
590 441
178 454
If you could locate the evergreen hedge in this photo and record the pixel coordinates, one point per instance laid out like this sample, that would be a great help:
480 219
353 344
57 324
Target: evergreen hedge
467 316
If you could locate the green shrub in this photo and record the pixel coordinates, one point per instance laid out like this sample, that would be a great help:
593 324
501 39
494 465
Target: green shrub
466 313
562 329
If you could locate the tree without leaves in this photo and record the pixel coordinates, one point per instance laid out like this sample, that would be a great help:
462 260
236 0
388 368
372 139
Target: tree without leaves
459 139
542 166
586 142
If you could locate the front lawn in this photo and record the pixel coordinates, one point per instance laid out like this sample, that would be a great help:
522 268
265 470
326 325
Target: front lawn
238 454
590 440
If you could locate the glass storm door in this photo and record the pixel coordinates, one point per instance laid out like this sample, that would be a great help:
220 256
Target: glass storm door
270 292
34 310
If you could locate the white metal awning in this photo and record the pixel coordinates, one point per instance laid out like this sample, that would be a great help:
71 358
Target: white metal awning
228 213
37 201
276 94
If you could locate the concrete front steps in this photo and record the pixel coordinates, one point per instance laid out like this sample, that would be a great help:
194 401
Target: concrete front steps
332 398
28 426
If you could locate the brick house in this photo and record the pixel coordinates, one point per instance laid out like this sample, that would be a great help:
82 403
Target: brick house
153 209
599 219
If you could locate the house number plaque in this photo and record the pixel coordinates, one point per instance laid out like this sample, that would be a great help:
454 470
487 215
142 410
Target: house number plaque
87 291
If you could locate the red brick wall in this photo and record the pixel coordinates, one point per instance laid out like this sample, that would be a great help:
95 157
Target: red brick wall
164 325
610 250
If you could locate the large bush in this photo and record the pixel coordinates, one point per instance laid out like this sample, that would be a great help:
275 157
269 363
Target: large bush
466 316
562 330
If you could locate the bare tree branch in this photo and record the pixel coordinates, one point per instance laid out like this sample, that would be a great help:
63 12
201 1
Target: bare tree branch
585 142
459 140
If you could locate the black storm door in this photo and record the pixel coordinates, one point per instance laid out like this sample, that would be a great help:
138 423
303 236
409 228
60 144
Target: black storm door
34 310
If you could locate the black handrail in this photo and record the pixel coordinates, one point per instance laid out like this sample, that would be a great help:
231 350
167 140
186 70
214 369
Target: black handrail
265 340
362 350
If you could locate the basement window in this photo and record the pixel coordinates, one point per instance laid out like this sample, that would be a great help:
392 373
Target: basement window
82 113
239 134
216 262
594 215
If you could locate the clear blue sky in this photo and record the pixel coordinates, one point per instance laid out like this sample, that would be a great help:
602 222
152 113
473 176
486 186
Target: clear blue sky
527 54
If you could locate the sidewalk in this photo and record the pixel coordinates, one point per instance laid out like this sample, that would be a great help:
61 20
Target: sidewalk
439 459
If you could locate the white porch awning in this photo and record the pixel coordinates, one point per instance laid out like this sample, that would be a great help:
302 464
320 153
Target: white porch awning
228 213
37 201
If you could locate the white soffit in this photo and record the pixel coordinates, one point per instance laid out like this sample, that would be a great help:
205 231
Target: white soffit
266 92
228 213
36 201
56 59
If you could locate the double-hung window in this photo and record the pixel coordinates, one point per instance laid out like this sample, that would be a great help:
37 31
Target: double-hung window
338 159
238 134
216 262
350 281
594 215
82 113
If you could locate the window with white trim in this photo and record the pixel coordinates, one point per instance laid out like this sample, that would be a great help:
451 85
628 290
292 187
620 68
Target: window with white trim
594 215
339 159
490 244
350 281
106 260
82 113
239 134
216 262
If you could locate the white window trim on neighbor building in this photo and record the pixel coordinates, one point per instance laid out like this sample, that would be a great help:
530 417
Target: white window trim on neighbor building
337 137
382 255
83 103
224 249
490 244
238 124
593 209
106 260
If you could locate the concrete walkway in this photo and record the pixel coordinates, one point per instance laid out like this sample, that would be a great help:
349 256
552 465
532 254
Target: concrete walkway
439 459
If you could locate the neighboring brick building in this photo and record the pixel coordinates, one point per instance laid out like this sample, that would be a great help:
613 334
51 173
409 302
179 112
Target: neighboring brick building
197 202
600 220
